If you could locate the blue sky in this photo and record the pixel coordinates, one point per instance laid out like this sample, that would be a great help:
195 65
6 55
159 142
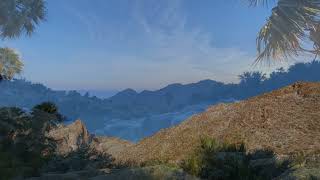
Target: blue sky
141 44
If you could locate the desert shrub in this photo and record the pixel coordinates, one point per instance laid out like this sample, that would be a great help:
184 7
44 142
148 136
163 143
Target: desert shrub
83 159
220 160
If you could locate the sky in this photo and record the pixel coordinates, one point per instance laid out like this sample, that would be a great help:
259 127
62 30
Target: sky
141 44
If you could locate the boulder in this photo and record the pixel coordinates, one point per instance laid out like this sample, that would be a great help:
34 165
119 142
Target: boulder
70 138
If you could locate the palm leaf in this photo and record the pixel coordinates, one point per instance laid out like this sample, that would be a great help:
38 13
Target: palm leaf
260 2
20 16
288 28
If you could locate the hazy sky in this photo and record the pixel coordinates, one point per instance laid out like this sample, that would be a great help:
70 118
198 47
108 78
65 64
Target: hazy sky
141 44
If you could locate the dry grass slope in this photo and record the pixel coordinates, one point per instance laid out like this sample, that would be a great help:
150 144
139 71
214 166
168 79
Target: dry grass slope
286 121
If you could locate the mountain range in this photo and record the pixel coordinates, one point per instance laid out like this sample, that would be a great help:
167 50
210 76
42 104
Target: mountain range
132 115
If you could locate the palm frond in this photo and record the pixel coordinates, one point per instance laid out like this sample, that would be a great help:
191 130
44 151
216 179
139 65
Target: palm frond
20 16
261 2
287 28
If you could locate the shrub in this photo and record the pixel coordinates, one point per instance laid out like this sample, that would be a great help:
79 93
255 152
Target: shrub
23 142
82 159
221 160
50 108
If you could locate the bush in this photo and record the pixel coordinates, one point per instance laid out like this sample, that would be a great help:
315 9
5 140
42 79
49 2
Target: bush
216 160
24 148
82 159
50 108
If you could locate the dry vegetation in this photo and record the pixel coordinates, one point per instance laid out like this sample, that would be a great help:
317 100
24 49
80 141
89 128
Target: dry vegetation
286 121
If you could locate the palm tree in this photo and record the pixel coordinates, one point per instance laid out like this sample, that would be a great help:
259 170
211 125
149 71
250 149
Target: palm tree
10 64
17 17
20 16
292 29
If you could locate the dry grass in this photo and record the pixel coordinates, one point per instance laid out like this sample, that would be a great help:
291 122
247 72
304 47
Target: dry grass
286 121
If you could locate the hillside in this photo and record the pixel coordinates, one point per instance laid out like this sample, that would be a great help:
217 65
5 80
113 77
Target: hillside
286 121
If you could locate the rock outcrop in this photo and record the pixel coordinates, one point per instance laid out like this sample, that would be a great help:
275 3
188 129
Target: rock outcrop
74 137
70 138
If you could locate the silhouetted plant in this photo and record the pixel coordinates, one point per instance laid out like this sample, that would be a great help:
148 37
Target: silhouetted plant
50 108
24 148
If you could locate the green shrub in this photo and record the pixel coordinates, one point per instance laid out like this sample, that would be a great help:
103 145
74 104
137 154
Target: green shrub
220 160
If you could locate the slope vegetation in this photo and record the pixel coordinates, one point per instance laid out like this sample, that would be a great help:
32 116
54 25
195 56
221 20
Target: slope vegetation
286 121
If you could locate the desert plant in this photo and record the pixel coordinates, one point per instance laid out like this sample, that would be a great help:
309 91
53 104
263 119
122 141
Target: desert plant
221 160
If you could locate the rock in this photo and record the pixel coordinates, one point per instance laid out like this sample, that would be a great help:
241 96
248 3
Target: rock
70 138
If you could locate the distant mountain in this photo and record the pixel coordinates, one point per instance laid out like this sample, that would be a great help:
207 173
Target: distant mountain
171 98
102 94
132 115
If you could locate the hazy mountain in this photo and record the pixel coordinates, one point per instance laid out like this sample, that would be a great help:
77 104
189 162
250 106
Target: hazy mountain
132 115
102 94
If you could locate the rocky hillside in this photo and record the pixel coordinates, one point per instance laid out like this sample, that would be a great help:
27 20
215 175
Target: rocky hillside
286 121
